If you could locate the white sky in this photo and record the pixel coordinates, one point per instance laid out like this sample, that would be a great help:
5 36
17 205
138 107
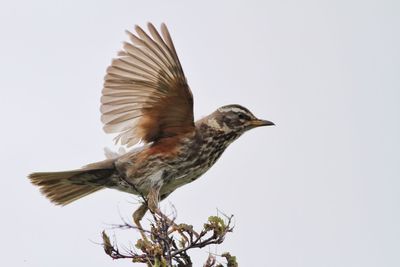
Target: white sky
320 189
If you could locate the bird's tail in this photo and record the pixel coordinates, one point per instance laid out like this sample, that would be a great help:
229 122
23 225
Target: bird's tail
65 187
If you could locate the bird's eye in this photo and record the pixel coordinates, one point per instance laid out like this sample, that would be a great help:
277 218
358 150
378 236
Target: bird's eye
241 116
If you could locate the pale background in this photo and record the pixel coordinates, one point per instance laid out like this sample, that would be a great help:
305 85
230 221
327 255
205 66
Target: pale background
320 189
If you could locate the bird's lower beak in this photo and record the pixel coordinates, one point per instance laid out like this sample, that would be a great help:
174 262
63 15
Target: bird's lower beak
258 123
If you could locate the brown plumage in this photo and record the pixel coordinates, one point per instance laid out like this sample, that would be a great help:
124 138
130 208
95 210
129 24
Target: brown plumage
145 95
146 98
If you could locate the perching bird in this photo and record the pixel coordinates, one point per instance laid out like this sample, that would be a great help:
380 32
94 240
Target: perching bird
146 98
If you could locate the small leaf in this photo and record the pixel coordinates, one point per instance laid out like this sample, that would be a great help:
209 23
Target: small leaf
215 224
230 259
108 248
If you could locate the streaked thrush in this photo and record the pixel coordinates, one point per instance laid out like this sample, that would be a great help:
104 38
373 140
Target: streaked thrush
146 99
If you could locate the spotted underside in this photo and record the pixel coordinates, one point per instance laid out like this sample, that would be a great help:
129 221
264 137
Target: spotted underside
195 156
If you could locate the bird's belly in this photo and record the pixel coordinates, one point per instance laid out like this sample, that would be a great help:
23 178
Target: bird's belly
189 170
170 173
175 182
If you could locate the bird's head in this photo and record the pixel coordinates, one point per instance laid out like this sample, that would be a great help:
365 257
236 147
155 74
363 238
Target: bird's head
235 119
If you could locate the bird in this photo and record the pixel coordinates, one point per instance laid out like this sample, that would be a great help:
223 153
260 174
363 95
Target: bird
148 103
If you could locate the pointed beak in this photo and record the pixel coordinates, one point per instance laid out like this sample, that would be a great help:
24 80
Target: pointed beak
258 123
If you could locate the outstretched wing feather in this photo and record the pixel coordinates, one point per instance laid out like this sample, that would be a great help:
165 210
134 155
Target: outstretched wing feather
145 94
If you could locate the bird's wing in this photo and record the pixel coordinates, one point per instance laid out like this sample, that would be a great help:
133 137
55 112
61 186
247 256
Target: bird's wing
146 96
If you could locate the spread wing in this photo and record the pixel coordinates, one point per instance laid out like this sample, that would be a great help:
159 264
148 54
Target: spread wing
145 95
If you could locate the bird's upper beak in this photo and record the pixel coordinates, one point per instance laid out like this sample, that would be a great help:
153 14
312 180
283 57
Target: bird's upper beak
258 123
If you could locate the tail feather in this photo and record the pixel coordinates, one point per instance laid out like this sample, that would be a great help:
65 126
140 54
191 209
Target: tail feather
63 188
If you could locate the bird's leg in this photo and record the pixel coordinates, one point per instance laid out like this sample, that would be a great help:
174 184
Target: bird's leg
137 217
153 199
